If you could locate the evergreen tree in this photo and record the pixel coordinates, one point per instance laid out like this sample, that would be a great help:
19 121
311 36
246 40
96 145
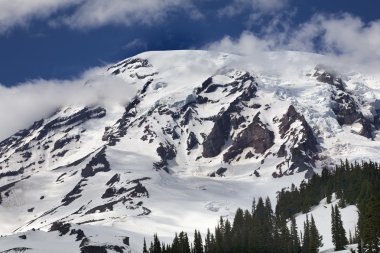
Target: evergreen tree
306 236
208 242
183 246
227 238
337 230
315 237
238 229
254 205
156 245
213 248
333 226
260 231
151 248
295 246
145 250
198 244
176 244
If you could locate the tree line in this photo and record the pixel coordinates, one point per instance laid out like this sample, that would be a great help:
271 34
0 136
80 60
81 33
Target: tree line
263 230
353 184
258 230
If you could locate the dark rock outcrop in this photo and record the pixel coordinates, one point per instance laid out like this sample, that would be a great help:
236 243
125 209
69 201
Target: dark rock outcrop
256 135
74 193
61 227
166 152
230 118
114 179
113 135
97 164
220 132
192 141
73 120
300 141
64 141
344 106
219 172
102 249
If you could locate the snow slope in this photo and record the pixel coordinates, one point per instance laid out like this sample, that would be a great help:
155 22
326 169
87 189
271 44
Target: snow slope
205 133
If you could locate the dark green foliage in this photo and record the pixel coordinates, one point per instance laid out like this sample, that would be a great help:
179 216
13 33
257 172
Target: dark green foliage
262 231
180 244
145 250
337 230
294 240
198 244
353 184
315 237
155 246
259 231
312 240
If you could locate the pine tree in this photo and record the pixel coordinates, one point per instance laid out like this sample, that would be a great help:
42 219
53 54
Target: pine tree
306 236
238 229
219 235
295 246
175 244
333 226
337 230
227 238
254 205
145 250
156 244
183 246
213 248
208 242
151 248
198 244
315 237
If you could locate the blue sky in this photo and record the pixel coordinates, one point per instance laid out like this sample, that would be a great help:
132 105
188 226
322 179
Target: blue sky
50 39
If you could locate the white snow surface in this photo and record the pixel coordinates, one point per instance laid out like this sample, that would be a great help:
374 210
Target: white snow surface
187 198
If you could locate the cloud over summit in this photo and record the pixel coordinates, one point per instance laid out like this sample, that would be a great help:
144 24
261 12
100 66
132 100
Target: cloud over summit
350 43
23 104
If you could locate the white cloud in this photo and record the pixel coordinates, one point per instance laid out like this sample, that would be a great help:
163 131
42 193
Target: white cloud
136 44
94 13
348 42
256 6
247 44
90 13
20 12
21 105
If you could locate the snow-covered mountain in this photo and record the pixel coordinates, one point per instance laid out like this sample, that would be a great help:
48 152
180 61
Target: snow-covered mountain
205 133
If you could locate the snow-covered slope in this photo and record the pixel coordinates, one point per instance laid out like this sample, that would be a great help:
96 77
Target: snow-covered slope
205 133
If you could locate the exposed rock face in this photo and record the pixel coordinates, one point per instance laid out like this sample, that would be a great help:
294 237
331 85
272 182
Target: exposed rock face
97 164
73 120
167 152
346 109
40 129
256 135
112 137
230 118
62 227
131 63
219 172
300 141
192 141
220 132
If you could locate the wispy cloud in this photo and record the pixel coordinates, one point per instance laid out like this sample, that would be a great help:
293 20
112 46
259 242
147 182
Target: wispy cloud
87 14
21 12
21 105
255 7
350 43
